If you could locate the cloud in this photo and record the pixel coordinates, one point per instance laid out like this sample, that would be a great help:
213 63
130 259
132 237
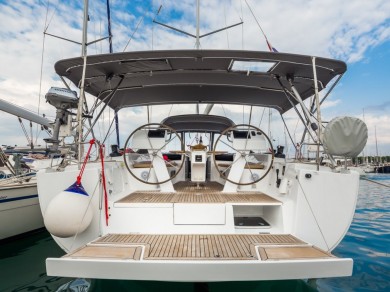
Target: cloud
378 129
330 103
333 28
384 107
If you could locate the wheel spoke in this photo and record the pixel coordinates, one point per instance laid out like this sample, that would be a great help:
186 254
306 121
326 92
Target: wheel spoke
227 168
228 145
249 167
246 141
169 141
244 154
150 168
170 163
152 154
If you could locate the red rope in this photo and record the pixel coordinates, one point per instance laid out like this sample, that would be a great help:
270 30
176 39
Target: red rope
91 143
101 149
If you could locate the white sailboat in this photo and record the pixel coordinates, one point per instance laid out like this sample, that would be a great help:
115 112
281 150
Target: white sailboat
20 211
230 210
19 208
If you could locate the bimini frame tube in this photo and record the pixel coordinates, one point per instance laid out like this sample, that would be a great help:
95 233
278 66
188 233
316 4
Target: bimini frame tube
313 109
82 87
287 94
318 111
298 98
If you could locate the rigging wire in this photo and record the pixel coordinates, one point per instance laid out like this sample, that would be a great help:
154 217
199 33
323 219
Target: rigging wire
261 119
108 121
295 129
24 131
375 182
91 16
41 70
154 18
31 135
136 29
250 115
227 32
242 27
109 131
258 24
169 114
99 130
152 32
313 214
285 141
100 36
289 134
224 112
85 213
51 18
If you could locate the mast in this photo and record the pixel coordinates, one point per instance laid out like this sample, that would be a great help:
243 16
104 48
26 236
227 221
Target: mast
197 44
197 37
364 159
376 145
109 25
82 87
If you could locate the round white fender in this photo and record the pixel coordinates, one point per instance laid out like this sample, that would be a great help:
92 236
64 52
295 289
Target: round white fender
69 213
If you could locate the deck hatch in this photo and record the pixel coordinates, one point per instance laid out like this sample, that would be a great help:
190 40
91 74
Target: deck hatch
291 252
256 66
107 252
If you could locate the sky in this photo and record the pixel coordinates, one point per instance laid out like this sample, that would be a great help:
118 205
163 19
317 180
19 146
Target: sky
356 32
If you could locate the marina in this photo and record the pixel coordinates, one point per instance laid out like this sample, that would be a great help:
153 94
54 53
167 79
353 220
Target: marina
365 242
189 168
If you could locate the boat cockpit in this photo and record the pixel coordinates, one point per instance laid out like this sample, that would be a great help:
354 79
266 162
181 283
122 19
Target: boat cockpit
198 149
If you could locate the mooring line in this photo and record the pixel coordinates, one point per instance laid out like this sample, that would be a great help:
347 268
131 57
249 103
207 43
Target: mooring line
375 182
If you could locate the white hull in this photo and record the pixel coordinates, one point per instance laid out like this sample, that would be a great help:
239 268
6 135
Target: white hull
199 271
314 206
19 209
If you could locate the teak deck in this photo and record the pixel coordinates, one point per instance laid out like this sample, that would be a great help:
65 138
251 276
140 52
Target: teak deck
184 197
191 193
199 247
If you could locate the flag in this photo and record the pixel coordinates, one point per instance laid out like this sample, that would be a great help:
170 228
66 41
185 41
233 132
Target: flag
271 48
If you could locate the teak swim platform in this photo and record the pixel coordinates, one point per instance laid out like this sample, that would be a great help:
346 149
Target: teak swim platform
199 247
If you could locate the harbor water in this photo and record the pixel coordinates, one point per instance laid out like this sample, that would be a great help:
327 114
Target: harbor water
22 261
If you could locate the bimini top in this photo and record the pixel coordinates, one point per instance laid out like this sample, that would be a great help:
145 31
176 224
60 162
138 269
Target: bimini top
198 123
199 76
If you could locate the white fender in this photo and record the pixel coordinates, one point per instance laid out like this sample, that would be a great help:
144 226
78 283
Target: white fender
69 213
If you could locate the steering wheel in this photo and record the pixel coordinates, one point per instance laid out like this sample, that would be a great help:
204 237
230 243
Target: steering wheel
145 144
252 143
